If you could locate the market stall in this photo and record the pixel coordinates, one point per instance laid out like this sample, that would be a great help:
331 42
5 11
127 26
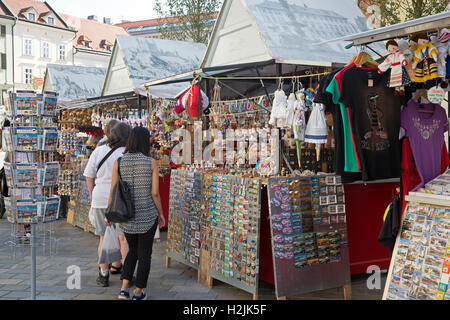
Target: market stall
244 85
118 95
418 61
363 143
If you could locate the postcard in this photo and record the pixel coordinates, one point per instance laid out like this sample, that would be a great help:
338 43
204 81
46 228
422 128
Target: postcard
51 209
25 103
27 211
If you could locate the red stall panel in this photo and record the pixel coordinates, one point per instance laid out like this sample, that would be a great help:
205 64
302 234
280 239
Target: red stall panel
164 191
365 206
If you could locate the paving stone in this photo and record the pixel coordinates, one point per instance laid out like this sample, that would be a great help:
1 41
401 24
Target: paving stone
90 296
195 296
4 292
190 289
10 281
17 295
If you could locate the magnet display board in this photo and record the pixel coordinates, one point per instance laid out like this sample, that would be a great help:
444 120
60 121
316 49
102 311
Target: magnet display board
309 234
420 262
183 237
234 208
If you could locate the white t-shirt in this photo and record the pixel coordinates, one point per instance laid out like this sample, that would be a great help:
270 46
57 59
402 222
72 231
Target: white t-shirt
103 177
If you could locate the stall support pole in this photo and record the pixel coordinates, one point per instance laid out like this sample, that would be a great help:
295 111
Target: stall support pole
33 261
347 292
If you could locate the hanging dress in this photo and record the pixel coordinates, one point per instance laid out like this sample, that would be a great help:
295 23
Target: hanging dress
290 110
316 129
278 114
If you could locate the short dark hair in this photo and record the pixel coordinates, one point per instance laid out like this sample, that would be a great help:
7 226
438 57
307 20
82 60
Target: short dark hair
139 141
391 43
119 135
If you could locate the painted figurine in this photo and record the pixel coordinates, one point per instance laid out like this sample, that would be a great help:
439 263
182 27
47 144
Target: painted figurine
396 61
425 59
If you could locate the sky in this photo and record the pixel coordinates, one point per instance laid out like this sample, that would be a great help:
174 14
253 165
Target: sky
115 9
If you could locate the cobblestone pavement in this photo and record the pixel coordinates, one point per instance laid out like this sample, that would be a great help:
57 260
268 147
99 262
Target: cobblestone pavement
77 247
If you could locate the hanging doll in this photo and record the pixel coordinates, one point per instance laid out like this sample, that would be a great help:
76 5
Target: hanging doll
442 44
425 58
396 61
278 114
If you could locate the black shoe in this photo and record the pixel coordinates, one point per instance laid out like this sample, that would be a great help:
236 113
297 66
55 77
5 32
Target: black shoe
103 281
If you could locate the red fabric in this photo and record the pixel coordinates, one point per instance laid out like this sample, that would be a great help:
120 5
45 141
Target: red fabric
195 101
179 107
410 175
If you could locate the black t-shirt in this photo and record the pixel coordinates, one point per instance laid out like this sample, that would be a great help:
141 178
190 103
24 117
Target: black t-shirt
375 118
326 99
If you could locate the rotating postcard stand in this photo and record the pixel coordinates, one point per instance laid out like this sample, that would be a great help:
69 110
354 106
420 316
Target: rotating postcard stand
31 173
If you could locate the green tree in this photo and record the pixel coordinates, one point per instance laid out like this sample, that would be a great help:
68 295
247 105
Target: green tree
192 19
396 11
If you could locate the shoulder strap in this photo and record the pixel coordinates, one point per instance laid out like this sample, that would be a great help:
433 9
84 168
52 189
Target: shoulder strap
106 158
118 167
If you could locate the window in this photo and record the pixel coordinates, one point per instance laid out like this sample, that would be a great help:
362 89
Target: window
51 20
31 16
28 48
45 50
3 31
62 52
28 75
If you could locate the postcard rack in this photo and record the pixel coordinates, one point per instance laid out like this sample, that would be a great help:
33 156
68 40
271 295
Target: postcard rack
420 265
31 172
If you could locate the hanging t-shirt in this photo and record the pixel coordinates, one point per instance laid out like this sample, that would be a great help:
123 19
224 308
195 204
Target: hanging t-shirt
410 176
325 98
426 136
350 155
375 121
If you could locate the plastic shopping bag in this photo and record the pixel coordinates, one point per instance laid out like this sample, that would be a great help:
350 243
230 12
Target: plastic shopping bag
110 247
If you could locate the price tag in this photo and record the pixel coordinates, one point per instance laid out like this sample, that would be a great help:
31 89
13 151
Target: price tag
436 95
370 83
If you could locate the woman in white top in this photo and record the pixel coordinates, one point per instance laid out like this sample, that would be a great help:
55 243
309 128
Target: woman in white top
98 175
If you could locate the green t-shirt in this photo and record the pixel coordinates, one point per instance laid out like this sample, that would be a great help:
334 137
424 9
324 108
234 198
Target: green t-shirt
351 162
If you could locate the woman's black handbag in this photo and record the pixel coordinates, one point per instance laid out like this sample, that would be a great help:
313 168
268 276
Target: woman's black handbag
121 208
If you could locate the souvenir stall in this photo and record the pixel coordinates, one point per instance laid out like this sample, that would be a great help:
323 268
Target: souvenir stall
82 127
219 210
399 112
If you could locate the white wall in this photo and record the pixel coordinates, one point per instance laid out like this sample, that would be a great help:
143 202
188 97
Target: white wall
38 34
117 76
6 47
86 59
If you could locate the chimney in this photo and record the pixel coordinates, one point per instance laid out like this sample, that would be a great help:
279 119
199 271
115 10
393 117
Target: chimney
92 17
